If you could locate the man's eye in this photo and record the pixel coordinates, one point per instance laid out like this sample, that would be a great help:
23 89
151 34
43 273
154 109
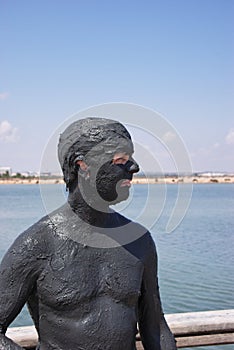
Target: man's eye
120 158
119 161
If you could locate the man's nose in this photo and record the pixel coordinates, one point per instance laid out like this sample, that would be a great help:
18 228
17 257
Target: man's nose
132 166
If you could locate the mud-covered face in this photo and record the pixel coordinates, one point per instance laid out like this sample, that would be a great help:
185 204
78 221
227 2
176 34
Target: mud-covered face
113 179
109 182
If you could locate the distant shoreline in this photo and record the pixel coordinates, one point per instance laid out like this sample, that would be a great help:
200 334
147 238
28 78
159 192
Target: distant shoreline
136 180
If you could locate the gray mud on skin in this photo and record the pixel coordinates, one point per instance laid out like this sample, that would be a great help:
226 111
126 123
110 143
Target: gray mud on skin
81 296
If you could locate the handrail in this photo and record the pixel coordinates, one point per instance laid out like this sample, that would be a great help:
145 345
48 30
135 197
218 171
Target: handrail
190 329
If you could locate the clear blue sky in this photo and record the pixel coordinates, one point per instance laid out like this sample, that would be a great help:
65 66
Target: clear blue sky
174 56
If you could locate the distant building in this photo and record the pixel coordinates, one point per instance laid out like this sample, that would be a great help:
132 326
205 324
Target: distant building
211 174
25 174
34 173
5 170
45 174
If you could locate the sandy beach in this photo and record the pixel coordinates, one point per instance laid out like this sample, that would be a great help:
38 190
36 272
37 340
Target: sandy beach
184 179
136 180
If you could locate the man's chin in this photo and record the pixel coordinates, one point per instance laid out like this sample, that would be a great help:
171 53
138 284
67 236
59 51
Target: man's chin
123 194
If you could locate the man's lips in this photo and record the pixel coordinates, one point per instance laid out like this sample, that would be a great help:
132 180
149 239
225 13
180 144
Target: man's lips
125 183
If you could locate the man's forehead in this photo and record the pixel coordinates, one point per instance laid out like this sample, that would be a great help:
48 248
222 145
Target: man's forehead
111 147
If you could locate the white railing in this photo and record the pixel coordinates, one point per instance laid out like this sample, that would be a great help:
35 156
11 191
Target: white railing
190 330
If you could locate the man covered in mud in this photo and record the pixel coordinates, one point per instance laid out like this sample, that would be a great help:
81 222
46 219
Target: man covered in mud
87 274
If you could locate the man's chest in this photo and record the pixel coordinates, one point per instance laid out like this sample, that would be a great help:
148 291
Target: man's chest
80 275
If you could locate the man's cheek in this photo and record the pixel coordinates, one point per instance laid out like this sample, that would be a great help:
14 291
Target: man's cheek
111 173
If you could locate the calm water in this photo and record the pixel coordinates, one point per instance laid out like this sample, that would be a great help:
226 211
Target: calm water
195 261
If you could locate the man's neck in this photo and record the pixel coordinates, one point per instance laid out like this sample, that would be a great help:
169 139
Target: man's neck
91 211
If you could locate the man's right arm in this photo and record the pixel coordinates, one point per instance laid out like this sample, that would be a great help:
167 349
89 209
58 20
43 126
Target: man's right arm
19 270
155 333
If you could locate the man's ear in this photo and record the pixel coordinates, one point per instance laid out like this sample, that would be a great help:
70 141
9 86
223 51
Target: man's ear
82 164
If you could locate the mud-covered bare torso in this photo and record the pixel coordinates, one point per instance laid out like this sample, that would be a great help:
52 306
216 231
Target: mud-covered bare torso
94 294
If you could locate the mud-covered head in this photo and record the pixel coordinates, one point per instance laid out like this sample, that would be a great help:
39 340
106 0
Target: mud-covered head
93 140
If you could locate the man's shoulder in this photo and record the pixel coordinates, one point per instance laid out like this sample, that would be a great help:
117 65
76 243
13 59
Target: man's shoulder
47 223
31 246
34 236
135 225
137 231
41 232
121 218
37 242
